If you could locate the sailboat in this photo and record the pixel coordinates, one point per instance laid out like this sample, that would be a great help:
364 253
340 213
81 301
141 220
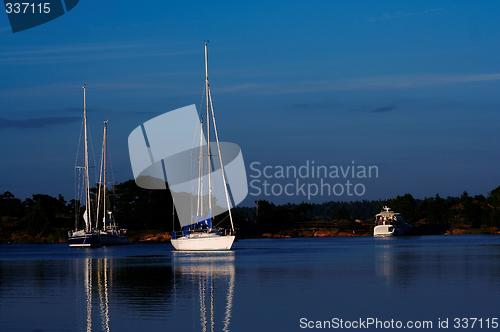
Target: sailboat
199 233
110 233
87 237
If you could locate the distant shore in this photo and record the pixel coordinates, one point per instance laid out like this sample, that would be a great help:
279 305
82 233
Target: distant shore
60 236
324 232
312 229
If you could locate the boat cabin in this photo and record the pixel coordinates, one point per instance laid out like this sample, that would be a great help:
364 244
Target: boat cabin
388 217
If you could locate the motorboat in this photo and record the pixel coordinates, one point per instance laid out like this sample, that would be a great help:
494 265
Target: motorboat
389 223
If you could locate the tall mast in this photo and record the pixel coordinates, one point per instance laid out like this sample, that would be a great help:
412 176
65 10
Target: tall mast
210 106
87 198
104 144
208 131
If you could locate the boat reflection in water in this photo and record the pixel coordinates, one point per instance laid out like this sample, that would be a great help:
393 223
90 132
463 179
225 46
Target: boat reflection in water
211 275
398 264
95 271
384 264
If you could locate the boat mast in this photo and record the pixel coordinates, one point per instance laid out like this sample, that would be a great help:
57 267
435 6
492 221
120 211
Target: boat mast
87 198
210 106
104 144
208 134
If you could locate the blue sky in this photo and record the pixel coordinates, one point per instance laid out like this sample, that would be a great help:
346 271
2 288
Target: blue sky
409 87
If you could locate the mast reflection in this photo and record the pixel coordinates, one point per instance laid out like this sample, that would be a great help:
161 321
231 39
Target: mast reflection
102 280
95 270
213 274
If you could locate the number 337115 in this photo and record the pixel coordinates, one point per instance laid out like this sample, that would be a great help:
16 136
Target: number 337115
26 7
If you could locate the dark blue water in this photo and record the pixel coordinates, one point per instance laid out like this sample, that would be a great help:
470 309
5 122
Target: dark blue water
261 285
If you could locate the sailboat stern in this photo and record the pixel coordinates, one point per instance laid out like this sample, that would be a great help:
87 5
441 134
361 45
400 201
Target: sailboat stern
203 242
84 239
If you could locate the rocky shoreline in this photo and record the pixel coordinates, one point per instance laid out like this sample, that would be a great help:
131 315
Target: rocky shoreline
344 230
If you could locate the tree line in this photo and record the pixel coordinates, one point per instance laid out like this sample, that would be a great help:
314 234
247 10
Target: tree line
146 209
132 207
460 212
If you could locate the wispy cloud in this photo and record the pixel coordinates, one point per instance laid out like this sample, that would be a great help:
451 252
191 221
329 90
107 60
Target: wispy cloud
238 88
87 52
383 109
68 88
36 123
5 29
311 106
143 87
371 109
387 16
382 82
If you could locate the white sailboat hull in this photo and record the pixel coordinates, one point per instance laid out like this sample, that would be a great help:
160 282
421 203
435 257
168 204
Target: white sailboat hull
390 230
203 242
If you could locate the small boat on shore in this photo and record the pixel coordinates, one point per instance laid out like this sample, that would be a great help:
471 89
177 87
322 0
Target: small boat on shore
389 223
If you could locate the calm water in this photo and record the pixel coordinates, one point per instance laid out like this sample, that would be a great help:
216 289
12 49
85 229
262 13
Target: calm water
261 285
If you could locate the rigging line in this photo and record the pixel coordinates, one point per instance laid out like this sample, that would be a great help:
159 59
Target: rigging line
199 201
202 78
109 160
77 183
221 163
101 168
201 101
173 212
222 221
74 204
112 174
78 196
199 115
192 163
82 193
79 143
93 154
196 130
95 176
